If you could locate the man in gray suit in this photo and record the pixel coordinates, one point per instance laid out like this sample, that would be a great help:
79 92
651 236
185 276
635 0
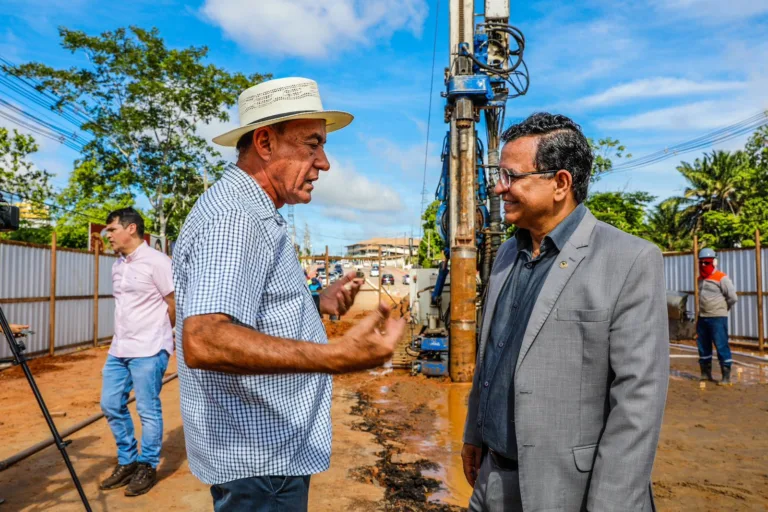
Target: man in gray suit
572 370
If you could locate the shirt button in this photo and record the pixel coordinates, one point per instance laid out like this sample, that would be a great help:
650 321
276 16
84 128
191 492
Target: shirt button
485 384
501 344
515 305
529 265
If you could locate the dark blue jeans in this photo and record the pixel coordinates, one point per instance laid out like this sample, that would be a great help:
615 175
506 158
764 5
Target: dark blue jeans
713 330
262 494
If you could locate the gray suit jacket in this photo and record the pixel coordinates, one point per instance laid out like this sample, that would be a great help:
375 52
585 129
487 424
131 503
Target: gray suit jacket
591 378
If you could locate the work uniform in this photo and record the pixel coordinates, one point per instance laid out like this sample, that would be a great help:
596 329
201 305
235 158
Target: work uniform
717 295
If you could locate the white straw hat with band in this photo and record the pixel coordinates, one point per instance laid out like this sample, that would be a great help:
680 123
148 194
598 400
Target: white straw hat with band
280 100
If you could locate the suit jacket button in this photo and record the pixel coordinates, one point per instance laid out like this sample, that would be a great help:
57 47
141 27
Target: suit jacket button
485 384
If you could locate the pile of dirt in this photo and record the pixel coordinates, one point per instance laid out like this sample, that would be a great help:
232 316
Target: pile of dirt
406 488
45 364
336 328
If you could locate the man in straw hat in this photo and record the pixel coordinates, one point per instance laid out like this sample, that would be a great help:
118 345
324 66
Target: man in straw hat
254 363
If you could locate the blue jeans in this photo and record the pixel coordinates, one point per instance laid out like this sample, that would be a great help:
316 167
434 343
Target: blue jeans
713 330
262 494
145 376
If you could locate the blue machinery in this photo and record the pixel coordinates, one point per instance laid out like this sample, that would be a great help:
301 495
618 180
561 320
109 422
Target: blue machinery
486 69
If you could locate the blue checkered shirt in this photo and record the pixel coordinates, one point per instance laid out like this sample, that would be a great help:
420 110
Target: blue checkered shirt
234 256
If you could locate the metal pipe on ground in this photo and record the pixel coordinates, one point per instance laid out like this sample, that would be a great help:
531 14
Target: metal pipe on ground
740 354
10 461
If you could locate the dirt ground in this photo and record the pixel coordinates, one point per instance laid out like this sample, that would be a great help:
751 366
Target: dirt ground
396 442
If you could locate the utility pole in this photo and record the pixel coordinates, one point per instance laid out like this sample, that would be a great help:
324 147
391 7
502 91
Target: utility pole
307 239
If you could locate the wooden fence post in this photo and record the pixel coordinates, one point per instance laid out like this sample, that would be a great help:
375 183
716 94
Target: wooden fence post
696 276
380 271
327 268
759 272
52 301
96 250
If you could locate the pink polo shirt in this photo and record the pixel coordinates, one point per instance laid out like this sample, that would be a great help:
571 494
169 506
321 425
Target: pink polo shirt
140 281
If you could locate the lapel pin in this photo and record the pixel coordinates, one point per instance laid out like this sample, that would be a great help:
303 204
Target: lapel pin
563 264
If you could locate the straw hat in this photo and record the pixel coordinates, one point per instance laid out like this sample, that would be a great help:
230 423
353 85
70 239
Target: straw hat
280 100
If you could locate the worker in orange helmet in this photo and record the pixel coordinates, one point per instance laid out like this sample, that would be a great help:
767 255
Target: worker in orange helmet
717 295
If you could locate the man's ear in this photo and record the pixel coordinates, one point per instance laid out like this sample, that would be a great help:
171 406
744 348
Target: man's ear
563 184
264 142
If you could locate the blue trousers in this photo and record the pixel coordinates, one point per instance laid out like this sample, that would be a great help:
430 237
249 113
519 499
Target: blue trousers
262 494
145 376
713 330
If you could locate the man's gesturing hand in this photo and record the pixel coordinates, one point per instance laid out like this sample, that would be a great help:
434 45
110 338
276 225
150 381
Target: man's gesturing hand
369 344
471 457
339 297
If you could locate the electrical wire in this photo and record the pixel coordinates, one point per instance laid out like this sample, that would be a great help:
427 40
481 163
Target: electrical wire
726 133
429 119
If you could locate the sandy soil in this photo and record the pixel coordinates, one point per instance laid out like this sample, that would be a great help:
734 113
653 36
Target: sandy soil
396 442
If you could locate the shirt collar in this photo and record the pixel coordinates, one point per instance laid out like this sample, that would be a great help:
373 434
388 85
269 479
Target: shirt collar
558 236
136 253
251 190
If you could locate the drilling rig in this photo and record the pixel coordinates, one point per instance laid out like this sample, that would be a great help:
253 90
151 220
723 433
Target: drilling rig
486 68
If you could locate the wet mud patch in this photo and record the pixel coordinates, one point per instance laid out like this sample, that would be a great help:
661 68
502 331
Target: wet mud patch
399 472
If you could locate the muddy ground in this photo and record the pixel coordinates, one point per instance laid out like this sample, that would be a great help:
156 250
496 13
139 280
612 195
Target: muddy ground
396 446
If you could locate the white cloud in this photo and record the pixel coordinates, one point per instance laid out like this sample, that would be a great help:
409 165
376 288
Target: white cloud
715 11
344 188
313 28
697 117
657 88
409 159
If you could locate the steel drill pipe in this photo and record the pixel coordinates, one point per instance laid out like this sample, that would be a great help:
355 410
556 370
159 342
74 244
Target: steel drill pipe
463 313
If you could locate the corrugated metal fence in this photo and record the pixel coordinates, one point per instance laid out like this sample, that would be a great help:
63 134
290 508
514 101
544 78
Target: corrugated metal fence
25 295
741 267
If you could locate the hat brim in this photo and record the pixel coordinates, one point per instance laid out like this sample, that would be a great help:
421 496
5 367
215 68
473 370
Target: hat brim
334 120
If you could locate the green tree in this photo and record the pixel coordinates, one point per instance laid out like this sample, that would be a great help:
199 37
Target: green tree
667 228
18 175
143 102
431 245
604 151
624 210
715 184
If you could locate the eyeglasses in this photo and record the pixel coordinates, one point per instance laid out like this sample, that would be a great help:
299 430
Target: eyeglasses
507 176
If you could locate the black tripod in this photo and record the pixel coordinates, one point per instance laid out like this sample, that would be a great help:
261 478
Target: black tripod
17 348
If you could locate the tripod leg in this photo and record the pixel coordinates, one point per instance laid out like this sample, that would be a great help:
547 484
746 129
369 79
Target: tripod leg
20 360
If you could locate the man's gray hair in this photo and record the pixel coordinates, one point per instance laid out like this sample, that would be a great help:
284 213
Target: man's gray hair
246 140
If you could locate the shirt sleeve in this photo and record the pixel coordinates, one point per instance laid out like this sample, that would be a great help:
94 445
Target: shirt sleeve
162 275
227 269
729 291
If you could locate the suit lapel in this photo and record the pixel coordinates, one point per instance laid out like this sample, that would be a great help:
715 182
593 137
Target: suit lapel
502 267
562 269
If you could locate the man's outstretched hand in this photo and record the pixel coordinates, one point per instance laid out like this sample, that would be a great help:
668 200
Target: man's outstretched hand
339 297
370 343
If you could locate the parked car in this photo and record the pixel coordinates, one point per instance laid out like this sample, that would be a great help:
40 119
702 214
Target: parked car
347 264
388 279
338 269
407 279
375 271
321 272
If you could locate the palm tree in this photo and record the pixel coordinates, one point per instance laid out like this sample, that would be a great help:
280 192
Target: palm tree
713 184
667 226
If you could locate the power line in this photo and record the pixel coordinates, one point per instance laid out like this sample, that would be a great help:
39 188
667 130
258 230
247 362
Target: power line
429 117
726 133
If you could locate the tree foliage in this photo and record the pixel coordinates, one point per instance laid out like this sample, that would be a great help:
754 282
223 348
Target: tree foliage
431 245
604 152
624 210
143 102
18 175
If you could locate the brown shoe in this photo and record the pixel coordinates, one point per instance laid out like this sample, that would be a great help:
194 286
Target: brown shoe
142 481
120 476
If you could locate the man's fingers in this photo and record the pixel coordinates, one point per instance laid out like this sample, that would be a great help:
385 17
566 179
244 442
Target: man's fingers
394 328
469 472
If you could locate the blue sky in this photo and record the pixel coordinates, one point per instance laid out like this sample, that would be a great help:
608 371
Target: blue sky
650 73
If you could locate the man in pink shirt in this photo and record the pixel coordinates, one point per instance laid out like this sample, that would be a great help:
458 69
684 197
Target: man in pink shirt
145 312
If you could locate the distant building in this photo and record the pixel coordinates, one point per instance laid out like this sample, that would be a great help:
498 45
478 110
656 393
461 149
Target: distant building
35 215
396 248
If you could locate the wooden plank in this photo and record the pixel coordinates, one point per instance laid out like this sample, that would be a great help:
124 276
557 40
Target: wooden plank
696 276
96 250
759 272
26 300
52 298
